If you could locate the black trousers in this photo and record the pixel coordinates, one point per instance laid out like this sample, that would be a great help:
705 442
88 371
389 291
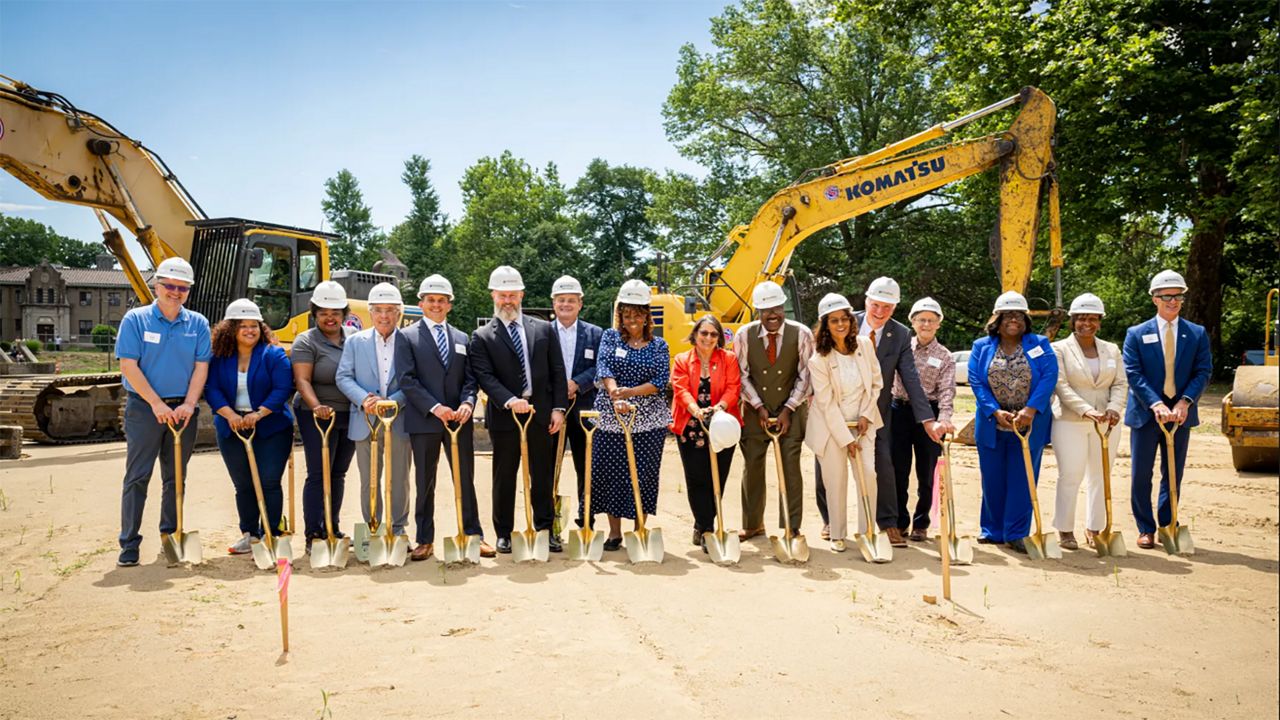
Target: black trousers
886 494
341 451
507 475
909 439
697 480
426 454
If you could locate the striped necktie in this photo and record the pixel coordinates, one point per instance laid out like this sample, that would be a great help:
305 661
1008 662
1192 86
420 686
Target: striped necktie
514 329
442 347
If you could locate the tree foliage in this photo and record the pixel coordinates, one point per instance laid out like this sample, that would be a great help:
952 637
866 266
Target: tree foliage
419 241
351 219
27 242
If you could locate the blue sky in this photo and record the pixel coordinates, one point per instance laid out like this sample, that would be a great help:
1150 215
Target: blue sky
254 104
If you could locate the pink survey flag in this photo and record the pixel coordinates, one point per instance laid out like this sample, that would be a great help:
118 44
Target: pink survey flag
937 493
284 572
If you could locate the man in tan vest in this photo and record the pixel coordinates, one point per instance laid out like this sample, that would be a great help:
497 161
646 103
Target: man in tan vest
773 353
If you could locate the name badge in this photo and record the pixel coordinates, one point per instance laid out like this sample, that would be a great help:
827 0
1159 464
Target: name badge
1111 363
151 337
460 348
933 362
619 352
1150 338
589 354
1035 352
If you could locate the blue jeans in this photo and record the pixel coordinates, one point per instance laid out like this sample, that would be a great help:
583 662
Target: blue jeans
341 451
146 440
272 453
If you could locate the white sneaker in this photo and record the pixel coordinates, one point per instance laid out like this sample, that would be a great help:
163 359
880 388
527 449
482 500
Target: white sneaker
241 547
837 546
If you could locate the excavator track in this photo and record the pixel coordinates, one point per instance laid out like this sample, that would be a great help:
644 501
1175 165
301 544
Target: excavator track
64 409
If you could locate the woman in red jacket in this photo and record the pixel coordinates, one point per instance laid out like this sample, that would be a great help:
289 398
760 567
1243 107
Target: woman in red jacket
705 379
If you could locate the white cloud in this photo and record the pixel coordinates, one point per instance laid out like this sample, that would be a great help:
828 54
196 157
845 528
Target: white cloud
19 207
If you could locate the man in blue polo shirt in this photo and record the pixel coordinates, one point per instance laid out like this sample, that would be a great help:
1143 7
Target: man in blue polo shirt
164 354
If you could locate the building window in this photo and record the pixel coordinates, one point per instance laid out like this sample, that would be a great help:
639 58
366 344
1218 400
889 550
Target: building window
114 323
113 299
17 327
86 298
86 328
39 296
17 296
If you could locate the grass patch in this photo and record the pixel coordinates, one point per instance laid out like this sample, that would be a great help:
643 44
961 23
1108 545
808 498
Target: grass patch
78 564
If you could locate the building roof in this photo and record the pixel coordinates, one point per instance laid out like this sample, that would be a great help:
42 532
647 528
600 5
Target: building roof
74 277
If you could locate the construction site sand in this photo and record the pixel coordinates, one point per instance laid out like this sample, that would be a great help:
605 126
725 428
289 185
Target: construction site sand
1144 636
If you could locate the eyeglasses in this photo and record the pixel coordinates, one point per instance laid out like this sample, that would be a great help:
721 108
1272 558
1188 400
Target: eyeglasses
708 334
183 289
1172 298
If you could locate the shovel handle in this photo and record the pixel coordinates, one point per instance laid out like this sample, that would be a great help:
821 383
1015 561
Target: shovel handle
589 429
257 486
631 464
1025 439
1106 471
864 501
178 489
775 436
715 482
1170 454
563 434
524 463
454 458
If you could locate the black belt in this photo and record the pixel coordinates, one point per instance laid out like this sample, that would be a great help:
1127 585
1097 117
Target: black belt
171 400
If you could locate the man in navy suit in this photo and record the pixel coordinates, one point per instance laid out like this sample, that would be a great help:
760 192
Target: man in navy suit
439 388
1168 363
517 362
579 341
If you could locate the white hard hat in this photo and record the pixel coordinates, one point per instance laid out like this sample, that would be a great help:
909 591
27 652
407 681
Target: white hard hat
885 290
243 309
175 268
1167 279
723 431
566 285
385 294
832 302
1011 300
436 285
505 277
768 294
925 304
1087 304
635 292
329 294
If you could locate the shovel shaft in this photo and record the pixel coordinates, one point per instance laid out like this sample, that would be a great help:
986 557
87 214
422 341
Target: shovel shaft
178 488
257 490
1173 473
387 517
1024 438
715 483
944 497
457 475
373 473
864 500
590 432
328 478
560 439
524 471
631 466
1106 474
782 476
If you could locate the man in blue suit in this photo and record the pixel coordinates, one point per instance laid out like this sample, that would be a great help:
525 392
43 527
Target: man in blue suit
579 341
1168 363
367 374
437 382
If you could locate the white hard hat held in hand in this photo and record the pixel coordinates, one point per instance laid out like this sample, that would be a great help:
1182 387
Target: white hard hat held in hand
436 285
1011 301
723 431
926 304
505 277
885 290
175 268
832 302
1087 304
243 309
1167 280
635 292
768 294
385 294
329 295
566 285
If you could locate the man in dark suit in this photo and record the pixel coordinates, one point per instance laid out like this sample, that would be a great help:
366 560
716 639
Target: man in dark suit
517 362
892 341
439 388
1168 363
579 341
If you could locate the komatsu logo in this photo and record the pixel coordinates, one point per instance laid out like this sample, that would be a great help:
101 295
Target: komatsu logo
917 169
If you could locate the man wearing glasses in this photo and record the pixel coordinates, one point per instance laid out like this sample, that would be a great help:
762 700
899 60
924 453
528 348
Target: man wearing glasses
164 353
1168 363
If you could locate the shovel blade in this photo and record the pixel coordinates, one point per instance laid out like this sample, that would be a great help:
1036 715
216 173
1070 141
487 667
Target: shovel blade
723 551
360 541
284 547
586 545
191 550
341 553
1109 545
799 547
399 551
1176 541
961 551
1042 546
379 551
262 555
875 547
453 552
644 547
531 546
321 555
781 552
172 551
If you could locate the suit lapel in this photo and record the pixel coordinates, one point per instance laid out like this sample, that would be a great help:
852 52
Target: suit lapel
579 348
504 334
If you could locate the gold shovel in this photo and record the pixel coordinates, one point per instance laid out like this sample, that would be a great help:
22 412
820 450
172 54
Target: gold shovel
1039 545
562 501
268 548
724 547
528 545
875 546
460 548
179 546
959 548
586 544
1175 538
387 548
333 551
1107 542
364 531
643 544
789 548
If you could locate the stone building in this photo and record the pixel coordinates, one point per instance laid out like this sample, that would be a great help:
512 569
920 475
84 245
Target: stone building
47 301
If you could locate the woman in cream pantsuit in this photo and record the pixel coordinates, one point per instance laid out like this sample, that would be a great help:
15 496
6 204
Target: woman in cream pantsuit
846 383
1091 389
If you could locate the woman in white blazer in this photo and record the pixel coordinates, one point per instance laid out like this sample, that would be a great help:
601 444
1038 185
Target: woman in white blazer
846 382
1091 389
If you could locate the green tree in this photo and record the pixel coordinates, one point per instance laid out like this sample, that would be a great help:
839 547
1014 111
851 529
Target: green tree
27 242
611 223
419 240
351 219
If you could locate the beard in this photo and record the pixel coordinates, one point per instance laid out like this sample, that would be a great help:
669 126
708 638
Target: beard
506 313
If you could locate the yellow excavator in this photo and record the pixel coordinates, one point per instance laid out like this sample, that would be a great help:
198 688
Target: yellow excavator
762 249
70 155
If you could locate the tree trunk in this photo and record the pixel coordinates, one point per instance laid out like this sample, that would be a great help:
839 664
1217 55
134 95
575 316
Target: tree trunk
1204 256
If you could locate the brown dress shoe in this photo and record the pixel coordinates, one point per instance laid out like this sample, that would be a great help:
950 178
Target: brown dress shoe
748 534
919 535
486 550
1146 541
895 537
422 552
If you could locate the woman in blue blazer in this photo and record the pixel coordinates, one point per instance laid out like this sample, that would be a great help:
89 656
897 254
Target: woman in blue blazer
1013 373
249 386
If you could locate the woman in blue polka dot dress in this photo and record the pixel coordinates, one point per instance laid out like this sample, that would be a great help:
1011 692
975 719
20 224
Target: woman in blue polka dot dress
632 367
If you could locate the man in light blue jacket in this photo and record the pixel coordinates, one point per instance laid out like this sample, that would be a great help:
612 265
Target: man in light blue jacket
367 375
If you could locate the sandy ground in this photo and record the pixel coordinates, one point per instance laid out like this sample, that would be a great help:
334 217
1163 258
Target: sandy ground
1144 636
